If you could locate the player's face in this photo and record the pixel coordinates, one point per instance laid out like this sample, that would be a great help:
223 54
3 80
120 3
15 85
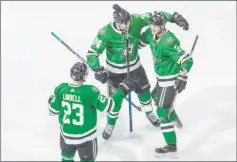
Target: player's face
155 29
122 26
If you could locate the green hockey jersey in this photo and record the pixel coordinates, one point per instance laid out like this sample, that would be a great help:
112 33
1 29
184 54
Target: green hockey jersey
77 109
113 42
168 57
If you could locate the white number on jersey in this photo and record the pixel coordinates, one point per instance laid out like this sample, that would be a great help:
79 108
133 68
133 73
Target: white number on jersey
79 120
102 98
178 48
97 42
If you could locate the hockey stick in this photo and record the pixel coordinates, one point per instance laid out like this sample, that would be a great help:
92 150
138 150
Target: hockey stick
124 14
176 92
83 60
67 46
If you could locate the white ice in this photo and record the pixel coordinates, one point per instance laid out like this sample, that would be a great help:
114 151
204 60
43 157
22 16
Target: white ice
33 63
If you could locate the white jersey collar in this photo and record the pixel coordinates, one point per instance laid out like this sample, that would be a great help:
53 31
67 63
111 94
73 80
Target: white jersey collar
116 30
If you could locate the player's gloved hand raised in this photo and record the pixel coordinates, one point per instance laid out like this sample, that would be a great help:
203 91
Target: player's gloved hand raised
181 82
100 74
180 21
128 85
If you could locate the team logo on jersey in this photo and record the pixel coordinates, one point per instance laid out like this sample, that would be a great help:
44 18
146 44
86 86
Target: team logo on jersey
95 89
130 50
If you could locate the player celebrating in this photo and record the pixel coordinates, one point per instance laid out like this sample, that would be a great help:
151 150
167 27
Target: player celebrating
112 39
171 64
77 105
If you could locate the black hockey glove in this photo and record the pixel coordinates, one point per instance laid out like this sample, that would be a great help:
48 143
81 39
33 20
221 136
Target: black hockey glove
180 83
128 85
180 21
101 75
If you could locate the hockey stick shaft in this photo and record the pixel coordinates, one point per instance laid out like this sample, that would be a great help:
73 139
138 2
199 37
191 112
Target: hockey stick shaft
194 45
176 92
124 13
68 47
129 94
128 76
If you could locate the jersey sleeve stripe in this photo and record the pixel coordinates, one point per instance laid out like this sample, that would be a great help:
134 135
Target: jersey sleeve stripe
143 44
52 113
53 110
185 59
182 57
92 53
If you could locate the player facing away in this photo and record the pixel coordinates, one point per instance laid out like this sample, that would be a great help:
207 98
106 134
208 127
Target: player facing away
111 39
76 105
171 65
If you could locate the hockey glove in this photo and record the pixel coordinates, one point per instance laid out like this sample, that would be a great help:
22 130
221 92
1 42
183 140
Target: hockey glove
127 86
180 83
100 74
180 21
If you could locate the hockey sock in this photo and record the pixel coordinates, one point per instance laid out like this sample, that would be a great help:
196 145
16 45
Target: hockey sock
167 126
145 100
67 156
112 115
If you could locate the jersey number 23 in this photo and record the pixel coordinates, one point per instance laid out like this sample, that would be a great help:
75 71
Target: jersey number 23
68 107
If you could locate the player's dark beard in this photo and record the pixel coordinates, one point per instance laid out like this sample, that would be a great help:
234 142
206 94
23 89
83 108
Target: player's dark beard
116 27
157 36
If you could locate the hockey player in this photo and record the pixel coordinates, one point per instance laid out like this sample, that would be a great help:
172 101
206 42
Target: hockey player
171 65
112 39
77 105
